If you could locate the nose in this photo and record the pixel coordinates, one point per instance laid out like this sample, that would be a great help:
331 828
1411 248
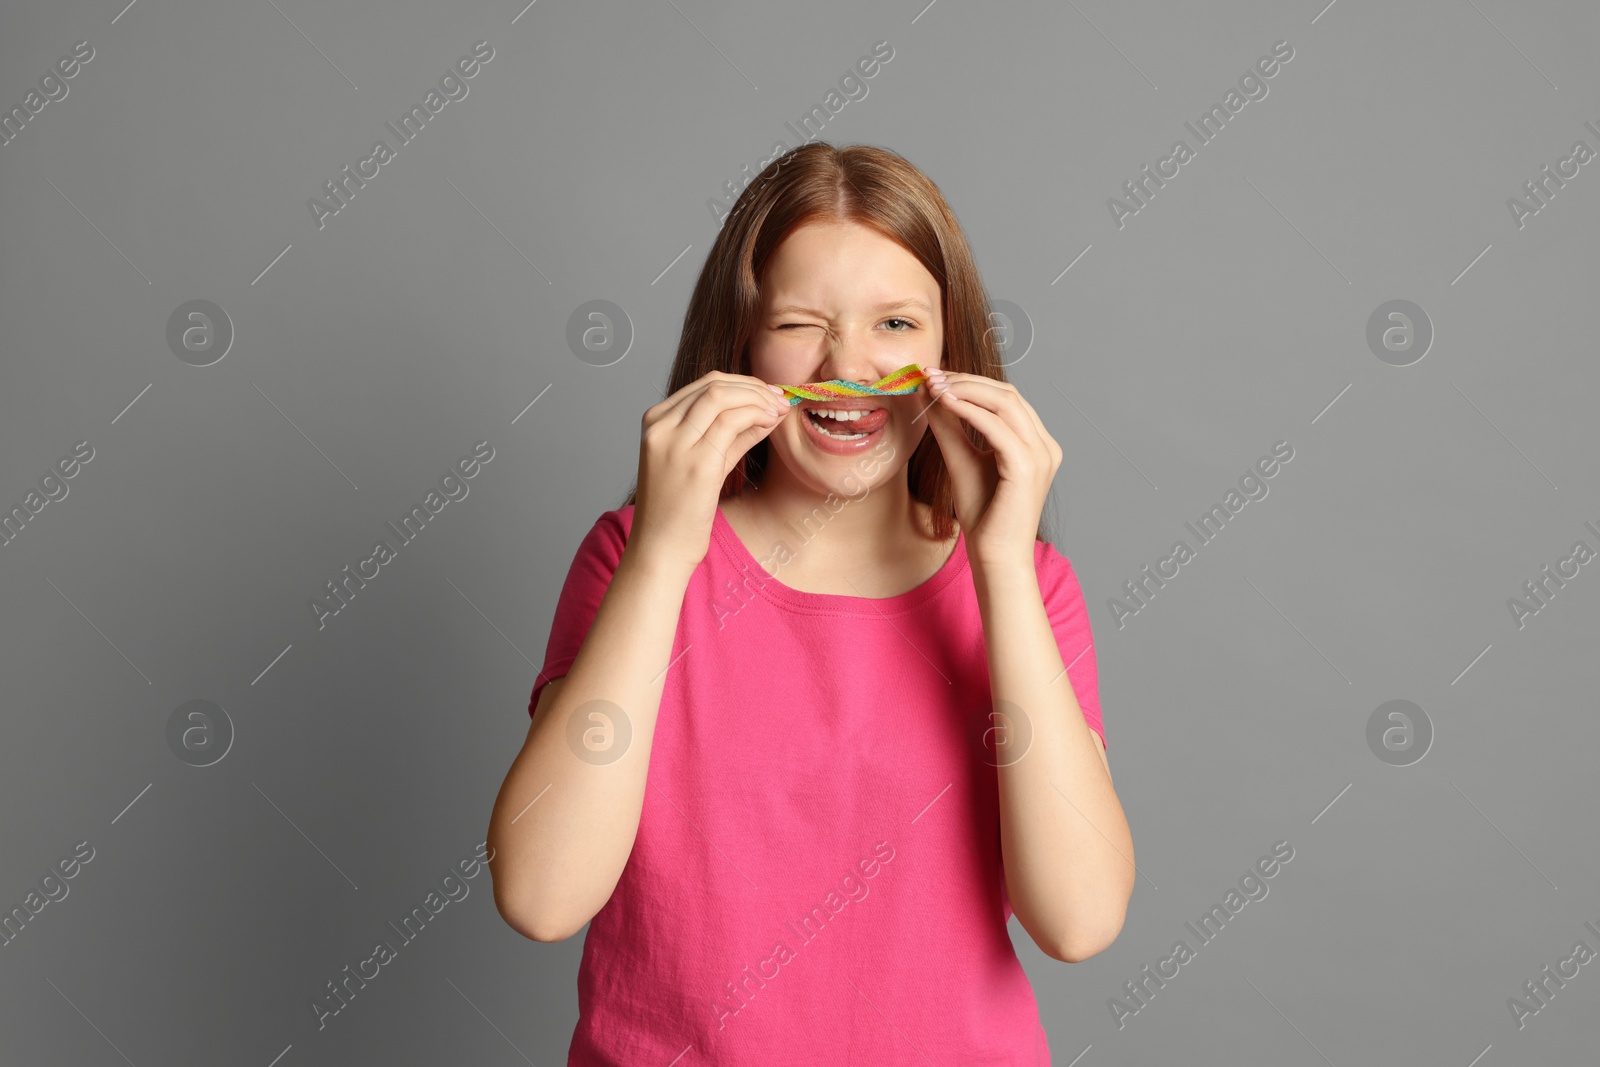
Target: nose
847 358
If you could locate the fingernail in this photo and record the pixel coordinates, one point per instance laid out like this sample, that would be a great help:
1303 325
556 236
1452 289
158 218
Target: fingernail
775 389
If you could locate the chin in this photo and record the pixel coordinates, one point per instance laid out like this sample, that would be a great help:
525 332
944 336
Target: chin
847 465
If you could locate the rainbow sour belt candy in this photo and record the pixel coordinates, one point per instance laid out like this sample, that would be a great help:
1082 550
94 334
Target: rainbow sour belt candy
903 381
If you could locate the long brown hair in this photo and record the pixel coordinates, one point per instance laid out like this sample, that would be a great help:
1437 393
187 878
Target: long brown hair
862 184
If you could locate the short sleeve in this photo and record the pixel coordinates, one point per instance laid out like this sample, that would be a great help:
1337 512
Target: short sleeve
1069 620
587 581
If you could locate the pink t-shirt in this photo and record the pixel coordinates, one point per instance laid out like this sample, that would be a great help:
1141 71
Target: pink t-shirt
817 873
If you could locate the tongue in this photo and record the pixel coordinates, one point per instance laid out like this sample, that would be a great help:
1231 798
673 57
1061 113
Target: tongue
867 423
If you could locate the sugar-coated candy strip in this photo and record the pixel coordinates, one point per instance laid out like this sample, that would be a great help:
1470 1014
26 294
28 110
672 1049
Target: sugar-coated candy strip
903 381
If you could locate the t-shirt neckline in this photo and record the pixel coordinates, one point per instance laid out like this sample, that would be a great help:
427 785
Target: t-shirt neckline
772 588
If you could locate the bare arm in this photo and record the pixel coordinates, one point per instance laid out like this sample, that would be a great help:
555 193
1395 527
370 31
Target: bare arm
563 826
1067 853
565 821
1065 843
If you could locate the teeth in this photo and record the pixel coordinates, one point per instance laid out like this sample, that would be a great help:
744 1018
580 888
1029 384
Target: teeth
841 416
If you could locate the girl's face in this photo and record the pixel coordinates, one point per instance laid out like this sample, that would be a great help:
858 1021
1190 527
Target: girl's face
840 300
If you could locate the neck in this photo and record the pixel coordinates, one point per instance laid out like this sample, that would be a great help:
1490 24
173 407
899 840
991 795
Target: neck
863 524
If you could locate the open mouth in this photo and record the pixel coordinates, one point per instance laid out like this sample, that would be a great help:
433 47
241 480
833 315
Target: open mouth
842 427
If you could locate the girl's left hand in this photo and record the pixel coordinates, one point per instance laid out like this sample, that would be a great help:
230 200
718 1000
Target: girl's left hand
999 493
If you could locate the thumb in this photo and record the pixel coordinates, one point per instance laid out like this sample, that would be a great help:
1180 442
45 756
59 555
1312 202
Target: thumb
960 456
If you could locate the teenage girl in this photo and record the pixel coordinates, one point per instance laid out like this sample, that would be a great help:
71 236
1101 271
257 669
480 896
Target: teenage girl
819 709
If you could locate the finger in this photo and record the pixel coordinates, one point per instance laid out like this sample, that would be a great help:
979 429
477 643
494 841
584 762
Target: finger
718 384
1002 437
701 409
1005 400
678 398
1052 449
961 456
744 442
730 424
1033 416
723 390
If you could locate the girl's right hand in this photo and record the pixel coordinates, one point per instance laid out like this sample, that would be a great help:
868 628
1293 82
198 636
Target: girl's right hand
688 445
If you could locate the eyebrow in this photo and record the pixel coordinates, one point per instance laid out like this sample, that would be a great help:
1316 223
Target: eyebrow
888 305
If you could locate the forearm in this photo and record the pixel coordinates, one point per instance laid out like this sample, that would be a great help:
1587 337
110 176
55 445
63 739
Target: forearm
1068 853
563 825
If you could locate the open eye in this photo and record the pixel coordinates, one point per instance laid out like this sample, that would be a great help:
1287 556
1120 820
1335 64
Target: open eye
908 322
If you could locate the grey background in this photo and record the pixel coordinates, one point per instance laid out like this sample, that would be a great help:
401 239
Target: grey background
1229 314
